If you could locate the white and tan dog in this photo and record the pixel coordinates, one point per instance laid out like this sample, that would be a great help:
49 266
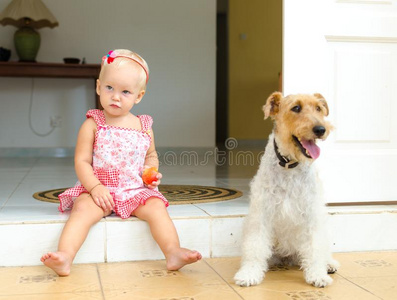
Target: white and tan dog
286 220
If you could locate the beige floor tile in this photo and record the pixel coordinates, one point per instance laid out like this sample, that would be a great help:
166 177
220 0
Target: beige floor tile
224 266
383 287
151 280
190 293
20 282
55 296
367 264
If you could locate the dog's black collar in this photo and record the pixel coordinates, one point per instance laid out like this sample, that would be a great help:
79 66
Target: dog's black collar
283 161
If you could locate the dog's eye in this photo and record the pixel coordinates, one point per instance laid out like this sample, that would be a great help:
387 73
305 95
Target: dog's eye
297 109
318 108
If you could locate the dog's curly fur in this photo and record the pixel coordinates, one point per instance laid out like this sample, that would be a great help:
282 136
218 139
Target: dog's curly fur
286 220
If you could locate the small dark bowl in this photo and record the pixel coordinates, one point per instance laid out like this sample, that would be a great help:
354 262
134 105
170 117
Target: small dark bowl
4 54
71 60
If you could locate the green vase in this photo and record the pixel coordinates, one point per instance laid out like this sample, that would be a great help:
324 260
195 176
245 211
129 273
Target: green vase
27 43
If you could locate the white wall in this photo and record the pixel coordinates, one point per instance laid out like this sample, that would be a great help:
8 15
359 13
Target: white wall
176 37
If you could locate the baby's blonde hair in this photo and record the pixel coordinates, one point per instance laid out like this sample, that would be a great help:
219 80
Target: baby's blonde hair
125 55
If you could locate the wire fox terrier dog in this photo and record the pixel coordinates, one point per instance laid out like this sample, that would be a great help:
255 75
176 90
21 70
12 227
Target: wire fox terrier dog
286 220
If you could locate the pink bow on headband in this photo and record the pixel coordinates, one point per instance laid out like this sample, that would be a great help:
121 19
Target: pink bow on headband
110 56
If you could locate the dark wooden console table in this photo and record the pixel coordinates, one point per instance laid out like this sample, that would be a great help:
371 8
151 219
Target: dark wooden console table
51 70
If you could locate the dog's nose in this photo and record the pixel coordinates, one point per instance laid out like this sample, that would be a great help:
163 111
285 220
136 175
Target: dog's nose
319 130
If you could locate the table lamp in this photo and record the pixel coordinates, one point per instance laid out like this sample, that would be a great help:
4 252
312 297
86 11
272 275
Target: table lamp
27 15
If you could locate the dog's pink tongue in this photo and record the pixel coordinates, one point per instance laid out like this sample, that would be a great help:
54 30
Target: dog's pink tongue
312 148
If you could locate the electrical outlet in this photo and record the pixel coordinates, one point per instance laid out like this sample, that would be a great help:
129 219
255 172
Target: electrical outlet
56 121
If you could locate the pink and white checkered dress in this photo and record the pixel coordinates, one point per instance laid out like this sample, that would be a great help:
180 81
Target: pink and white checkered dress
119 157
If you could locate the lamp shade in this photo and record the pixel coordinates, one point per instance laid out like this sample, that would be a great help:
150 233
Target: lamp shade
35 10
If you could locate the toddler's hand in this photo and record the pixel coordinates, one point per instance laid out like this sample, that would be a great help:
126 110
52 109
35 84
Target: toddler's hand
156 183
151 177
101 196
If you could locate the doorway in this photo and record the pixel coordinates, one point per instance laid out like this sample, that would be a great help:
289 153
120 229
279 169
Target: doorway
221 77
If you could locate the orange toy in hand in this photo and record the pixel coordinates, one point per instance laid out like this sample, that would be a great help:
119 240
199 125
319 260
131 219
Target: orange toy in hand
149 175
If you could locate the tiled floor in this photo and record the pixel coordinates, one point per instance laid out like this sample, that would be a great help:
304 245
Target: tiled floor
362 276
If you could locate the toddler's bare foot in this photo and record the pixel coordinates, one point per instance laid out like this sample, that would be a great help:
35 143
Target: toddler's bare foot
181 257
59 262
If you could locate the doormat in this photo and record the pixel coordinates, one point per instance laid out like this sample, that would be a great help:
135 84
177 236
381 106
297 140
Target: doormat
175 194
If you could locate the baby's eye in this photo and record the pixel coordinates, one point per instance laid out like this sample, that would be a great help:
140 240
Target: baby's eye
126 92
109 88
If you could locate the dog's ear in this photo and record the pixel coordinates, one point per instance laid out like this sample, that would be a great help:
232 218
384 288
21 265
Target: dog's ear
323 102
272 105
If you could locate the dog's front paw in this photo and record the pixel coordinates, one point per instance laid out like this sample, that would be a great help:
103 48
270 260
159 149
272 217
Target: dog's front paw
332 266
248 275
319 281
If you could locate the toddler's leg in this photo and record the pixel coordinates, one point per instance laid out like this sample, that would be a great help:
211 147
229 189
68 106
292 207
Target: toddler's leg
164 233
85 213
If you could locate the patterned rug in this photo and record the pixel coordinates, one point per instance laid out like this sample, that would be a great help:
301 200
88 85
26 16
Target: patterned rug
175 194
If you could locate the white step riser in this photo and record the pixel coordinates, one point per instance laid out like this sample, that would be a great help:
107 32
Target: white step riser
128 240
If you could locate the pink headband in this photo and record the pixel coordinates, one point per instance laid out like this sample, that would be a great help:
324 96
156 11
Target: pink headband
109 58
